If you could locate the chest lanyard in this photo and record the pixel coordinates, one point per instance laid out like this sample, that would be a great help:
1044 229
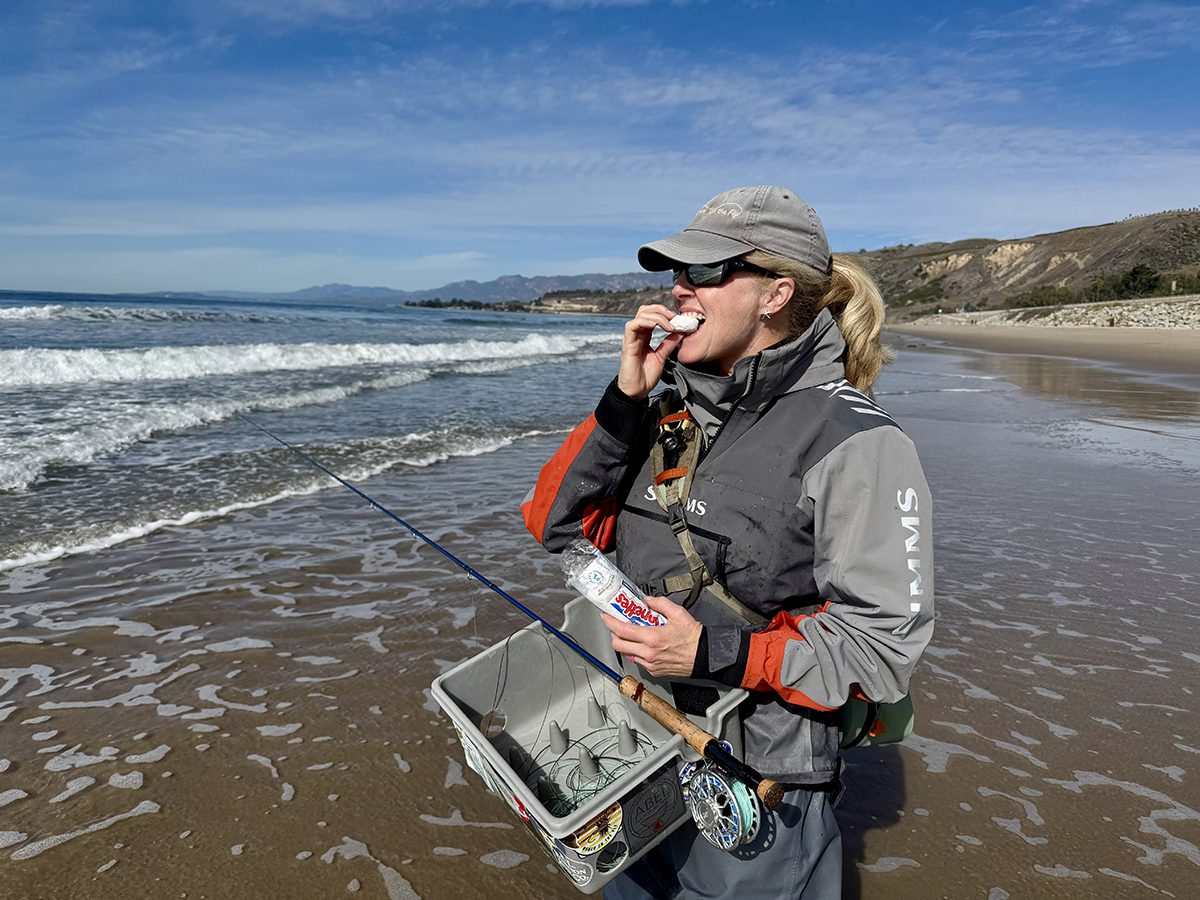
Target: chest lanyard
679 441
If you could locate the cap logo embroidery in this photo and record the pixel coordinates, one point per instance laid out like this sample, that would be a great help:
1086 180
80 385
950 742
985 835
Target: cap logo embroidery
728 210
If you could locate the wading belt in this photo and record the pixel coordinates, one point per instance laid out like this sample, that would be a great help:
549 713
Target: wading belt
678 443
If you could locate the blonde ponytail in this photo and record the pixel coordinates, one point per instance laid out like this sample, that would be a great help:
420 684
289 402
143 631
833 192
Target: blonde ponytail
853 298
856 303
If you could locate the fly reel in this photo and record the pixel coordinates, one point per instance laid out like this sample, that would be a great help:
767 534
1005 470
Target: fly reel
725 811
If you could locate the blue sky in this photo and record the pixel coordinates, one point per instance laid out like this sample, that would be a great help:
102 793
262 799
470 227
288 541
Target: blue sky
275 144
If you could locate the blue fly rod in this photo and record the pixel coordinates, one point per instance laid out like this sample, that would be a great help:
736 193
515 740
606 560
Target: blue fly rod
486 582
770 792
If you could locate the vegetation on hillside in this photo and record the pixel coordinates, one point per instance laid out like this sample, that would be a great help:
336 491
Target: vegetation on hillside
927 293
459 303
597 294
1136 282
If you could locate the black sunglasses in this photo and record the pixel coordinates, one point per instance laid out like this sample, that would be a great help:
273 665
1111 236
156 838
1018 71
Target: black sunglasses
713 274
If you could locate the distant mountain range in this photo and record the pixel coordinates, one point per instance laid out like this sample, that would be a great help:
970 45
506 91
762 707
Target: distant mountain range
506 287
915 278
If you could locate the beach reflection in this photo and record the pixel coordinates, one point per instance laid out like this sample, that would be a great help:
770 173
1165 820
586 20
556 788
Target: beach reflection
1059 378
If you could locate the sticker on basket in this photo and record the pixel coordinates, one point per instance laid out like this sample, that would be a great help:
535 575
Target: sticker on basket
479 765
540 833
654 808
612 857
579 872
520 808
596 834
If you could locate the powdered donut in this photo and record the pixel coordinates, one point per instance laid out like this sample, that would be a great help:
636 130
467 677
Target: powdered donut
685 323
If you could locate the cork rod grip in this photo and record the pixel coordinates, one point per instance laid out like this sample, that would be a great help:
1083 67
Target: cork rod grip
770 792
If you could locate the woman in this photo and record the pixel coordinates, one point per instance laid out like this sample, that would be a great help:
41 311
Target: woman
804 573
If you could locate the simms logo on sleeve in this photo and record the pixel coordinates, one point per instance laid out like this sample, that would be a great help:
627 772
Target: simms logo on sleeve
907 501
911 530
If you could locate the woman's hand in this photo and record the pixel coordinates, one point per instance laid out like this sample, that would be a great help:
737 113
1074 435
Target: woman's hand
660 649
641 367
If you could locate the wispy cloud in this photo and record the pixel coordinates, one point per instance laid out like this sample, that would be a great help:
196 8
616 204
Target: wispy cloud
173 145
1093 33
302 13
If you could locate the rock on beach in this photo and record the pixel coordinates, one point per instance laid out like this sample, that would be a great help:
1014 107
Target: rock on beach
1181 312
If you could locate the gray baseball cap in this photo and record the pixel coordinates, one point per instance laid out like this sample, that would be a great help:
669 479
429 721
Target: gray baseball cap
766 217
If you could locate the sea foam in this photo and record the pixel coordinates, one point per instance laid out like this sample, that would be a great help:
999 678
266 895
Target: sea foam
31 312
133 314
23 461
45 367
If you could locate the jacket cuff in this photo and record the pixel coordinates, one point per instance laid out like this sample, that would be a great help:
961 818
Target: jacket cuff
721 654
620 415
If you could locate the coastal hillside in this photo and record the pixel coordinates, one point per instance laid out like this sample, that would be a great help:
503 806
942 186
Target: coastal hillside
1046 268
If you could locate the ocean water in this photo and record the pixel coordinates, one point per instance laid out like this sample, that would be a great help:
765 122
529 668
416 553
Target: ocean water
124 418
214 661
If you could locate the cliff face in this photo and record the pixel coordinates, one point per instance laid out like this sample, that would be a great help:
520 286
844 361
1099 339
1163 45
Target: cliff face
611 303
917 279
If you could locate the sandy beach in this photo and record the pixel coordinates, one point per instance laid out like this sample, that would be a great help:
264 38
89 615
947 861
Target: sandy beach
1168 350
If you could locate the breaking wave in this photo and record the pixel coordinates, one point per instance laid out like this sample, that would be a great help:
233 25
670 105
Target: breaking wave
129 314
30 312
21 466
413 450
43 367
83 443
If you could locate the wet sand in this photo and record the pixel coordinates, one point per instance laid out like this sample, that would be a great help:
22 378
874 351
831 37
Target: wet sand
253 696
1170 350
240 708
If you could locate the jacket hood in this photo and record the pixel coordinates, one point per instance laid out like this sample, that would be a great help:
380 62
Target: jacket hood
811 358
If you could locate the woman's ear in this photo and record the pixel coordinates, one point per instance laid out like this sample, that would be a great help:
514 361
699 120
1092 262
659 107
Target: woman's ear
778 295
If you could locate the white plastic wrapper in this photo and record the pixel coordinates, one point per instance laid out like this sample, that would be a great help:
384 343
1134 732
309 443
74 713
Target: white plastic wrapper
595 576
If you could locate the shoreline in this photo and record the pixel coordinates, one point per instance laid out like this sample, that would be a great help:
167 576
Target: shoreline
531 310
1170 351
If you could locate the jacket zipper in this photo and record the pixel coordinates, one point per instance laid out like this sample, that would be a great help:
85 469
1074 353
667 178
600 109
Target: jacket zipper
704 451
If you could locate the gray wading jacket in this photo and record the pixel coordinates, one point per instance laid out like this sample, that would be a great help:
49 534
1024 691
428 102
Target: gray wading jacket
808 503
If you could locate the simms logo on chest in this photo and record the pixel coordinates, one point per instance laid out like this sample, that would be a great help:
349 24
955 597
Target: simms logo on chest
907 501
699 507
